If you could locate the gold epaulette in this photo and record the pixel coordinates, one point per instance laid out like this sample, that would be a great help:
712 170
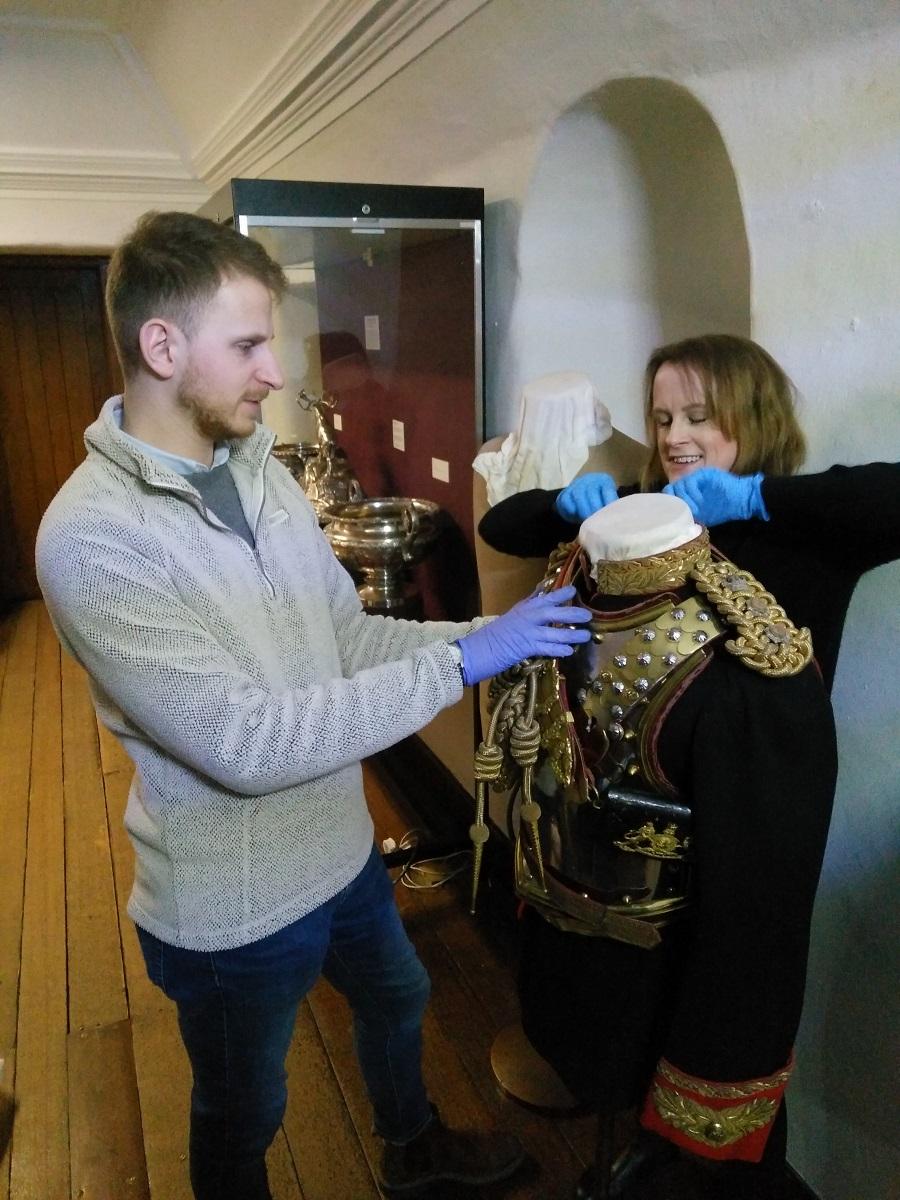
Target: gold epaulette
768 641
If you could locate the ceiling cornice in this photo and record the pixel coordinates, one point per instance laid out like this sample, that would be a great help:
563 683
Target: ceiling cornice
343 52
347 50
152 178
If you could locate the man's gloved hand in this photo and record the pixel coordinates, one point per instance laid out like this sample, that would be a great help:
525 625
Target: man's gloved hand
715 496
585 495
526 631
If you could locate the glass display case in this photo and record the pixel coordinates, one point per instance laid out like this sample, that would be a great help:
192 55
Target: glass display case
383 316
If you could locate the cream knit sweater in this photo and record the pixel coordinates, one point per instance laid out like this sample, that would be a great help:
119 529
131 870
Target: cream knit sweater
245 686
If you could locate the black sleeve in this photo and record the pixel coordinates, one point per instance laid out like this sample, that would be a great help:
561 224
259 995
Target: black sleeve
760 761
526 524
850 512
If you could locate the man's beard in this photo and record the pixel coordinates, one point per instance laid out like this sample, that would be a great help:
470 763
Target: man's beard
207 420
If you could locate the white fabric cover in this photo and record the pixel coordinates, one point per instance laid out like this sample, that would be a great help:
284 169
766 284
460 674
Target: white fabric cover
560 418
636 527
246 686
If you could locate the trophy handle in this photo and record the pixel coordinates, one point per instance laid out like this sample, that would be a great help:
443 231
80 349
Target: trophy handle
410 520
410 532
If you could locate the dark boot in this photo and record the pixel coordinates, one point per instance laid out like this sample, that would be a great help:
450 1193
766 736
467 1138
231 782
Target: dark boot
454 1156
638 1162
685 1177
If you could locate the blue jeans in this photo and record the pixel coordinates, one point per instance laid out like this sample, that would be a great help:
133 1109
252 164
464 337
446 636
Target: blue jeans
237 1009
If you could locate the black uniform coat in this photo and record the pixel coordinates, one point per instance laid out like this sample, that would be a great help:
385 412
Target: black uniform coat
756 759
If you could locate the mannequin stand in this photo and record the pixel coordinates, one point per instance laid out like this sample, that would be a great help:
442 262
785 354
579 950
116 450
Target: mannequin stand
527 1078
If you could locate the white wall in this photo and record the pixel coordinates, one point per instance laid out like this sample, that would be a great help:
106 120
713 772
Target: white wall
805 100
631 236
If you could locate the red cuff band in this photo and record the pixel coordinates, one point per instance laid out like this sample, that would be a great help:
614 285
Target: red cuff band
714 1120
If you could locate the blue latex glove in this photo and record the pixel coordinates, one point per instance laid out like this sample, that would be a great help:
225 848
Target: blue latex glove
585 495
715 496
526 631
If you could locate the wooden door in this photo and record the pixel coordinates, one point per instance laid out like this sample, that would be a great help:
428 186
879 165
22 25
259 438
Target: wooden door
56 370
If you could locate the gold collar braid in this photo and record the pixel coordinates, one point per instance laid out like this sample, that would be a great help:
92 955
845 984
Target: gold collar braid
767 642
656 573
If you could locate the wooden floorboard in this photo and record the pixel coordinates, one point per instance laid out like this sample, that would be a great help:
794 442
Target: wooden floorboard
282 1171
334 1165
16 710
107 1140
16 715
92 1047
164 1086
96 979
40 1164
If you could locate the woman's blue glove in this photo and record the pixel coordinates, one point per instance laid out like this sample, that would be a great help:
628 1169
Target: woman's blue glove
526 631
715 496
585 495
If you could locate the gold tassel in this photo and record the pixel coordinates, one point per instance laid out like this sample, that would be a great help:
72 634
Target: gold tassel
524 745
488 764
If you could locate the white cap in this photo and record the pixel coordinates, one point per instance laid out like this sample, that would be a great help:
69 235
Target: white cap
638 526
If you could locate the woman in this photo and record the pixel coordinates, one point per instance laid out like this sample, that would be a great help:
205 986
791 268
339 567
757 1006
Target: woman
720 415
724 437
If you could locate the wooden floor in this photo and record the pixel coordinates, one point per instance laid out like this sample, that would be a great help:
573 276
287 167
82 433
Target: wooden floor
91 1048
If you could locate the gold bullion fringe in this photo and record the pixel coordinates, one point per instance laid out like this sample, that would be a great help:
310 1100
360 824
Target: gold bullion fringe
768 642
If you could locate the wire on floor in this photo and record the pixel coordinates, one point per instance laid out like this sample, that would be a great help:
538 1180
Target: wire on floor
426 873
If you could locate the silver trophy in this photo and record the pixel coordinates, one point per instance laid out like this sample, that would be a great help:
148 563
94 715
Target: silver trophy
327 477
295 456
380 539
377 539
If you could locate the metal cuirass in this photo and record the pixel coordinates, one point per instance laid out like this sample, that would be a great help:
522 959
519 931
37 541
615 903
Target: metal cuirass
603 845
609 855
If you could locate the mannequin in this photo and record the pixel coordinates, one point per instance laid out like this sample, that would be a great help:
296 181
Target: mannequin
563 430
673 827
560 418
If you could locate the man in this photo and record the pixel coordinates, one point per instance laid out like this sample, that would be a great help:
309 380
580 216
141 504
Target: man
229 652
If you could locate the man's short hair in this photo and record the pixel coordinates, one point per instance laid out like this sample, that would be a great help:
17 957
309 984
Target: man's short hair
171 265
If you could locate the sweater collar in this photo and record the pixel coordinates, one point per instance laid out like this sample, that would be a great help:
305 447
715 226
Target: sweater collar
105 437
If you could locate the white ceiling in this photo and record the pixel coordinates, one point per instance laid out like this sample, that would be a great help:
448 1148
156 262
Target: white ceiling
170 99
110 12
94 96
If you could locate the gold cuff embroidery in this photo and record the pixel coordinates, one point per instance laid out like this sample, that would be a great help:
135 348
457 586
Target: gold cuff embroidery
712 1126
723 1091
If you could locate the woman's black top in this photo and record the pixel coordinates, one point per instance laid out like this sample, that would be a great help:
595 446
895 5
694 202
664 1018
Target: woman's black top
824 531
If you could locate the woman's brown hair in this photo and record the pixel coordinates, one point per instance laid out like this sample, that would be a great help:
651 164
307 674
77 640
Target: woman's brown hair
748 396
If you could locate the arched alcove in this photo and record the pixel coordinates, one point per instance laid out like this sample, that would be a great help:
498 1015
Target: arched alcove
631 235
